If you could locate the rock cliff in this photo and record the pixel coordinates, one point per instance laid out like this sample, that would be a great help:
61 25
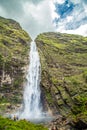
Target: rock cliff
63 77
64 74
14 46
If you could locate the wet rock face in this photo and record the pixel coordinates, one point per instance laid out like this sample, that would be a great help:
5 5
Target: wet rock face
60 123
14 48
80 125
64 73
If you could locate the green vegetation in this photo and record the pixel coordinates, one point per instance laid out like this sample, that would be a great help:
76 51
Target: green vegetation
64 73
7 124
85 75
14 48
80 106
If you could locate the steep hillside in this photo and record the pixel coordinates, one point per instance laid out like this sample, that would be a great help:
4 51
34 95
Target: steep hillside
64 73
14 46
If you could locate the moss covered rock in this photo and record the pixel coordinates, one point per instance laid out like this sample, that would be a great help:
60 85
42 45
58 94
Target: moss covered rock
14 48
64 73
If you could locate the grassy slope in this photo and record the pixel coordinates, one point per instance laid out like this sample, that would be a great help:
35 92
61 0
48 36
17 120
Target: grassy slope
7 124
64 72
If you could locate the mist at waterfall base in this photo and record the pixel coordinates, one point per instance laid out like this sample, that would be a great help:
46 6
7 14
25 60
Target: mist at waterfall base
32 109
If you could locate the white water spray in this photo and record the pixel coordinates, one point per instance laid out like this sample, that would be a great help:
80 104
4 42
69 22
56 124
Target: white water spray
32 107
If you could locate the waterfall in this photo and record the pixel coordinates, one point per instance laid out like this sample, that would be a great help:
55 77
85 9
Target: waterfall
32 106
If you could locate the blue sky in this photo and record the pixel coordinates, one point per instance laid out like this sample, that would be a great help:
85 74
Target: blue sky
37 16
69 9
64 9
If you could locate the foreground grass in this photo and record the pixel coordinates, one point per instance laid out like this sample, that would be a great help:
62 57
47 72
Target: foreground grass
7 124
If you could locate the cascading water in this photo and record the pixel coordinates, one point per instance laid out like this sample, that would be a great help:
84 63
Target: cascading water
32 106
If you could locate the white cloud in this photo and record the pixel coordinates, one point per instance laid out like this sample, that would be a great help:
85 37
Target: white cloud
76 1
2 12
52 10
69 18
59 1
76 19
37 18
82 30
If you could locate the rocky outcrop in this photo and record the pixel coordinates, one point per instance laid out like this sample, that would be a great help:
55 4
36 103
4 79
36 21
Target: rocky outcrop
64 74
14 48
